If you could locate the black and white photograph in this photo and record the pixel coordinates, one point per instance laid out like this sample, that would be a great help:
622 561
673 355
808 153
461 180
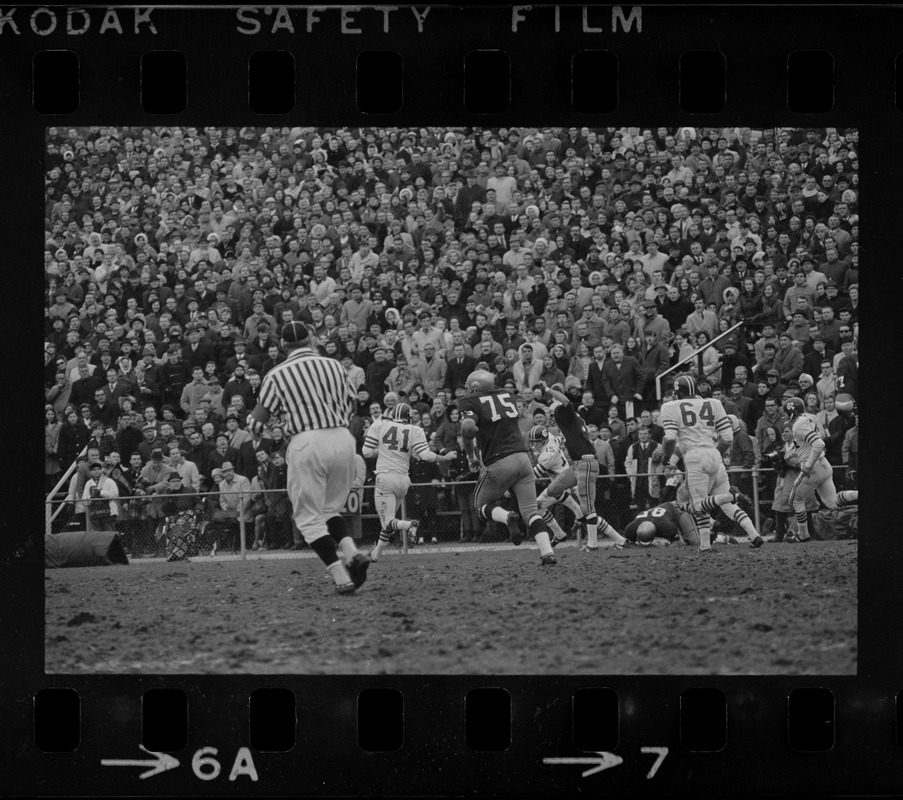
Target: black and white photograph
531 400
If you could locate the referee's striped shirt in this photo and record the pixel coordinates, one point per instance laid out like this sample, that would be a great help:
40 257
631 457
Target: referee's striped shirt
309 391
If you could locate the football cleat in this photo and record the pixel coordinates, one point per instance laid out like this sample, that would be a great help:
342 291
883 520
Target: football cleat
514 530
357 569
345 588
626 545
412 533
757 542
739 497
709 550
548 560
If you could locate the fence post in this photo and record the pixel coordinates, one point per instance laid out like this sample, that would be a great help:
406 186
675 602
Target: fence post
241 527
48 519
87 514
757 517
404 534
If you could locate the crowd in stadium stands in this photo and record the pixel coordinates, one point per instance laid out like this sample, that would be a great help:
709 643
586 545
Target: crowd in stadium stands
595 258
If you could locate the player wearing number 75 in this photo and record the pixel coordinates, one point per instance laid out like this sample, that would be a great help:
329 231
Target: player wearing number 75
703 431
394 440
490 416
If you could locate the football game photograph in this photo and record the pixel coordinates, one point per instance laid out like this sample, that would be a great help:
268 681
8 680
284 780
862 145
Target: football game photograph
442 400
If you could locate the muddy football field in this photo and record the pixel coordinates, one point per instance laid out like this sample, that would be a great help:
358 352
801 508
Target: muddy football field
782 609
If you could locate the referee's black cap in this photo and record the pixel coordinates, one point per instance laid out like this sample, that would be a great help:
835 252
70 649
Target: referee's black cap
295 332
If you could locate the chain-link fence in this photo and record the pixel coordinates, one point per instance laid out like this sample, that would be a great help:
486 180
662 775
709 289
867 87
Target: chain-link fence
225 523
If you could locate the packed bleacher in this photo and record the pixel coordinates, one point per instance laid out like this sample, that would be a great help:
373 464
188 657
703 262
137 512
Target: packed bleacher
600 259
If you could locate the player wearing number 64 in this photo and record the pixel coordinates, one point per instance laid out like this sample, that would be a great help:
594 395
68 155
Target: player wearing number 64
702 430
489 417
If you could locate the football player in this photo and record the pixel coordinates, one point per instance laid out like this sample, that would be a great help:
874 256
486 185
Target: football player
396 440
673 519
489 417
583 473
551 463
816 478
702 430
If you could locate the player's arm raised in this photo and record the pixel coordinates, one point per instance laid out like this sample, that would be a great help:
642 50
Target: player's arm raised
555 393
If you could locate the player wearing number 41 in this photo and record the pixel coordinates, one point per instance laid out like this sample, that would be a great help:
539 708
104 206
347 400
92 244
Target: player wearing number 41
581 475
703 432
489 416
816 476
396 440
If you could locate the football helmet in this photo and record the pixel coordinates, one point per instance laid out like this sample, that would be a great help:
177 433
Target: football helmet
645 533
793 407
537 434
480 381
844 402
401 413
685 386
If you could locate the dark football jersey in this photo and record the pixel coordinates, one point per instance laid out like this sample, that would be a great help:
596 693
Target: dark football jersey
573 429
663 516
495 414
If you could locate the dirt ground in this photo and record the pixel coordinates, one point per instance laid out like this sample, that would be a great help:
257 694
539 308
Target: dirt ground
783 609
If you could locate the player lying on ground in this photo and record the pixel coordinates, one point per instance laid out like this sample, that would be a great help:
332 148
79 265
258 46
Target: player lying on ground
582 474
701 429
816 478
672 520
396 441
489 418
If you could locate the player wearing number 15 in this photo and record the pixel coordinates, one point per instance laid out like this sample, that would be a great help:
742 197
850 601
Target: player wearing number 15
702 430
394 440
489 416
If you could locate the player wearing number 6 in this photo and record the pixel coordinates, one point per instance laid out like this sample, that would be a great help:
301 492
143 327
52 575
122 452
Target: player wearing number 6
395 440
490 415
702 430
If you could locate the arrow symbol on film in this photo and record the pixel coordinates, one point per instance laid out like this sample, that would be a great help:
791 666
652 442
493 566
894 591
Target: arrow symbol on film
604 761
160 763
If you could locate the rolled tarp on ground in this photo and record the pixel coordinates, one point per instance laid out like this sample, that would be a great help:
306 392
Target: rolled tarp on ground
83 549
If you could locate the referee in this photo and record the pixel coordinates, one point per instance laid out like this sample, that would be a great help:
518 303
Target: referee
312 395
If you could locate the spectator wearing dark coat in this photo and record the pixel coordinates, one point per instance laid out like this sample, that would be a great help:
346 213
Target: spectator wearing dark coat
788 361
459 366
197 352
622 379
247 455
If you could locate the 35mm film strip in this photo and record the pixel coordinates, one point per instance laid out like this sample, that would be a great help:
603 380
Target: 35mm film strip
458 666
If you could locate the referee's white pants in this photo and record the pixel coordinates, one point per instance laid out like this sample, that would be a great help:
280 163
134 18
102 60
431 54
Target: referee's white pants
320 473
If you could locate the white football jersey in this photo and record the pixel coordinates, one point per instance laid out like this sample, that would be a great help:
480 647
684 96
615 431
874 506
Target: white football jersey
394 443
696 422
551 459
807 434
